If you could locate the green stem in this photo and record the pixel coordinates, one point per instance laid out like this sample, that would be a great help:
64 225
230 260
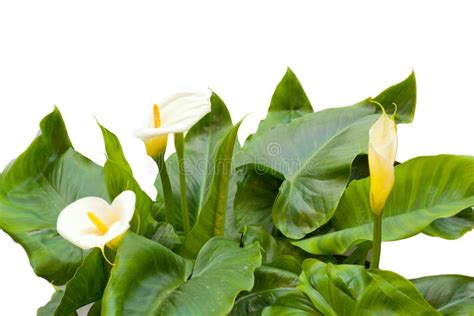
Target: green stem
167 193
179 145
377 242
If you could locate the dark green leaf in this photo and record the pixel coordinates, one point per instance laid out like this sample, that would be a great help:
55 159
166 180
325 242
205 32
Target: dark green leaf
166 236
212 216
353 290
256 193
452 295
270 284
314 153
119 178
452 227
425 189
149 279
35 188
86 286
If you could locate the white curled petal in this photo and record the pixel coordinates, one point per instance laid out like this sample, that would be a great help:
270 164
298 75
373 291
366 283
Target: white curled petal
73 223
117 229
124 206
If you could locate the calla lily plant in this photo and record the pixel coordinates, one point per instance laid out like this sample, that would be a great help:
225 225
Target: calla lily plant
291 222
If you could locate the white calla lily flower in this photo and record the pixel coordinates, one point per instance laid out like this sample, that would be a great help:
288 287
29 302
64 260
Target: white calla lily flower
175 114
383 143
92 222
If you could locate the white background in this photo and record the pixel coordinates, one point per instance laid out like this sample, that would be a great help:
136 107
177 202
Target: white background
114 59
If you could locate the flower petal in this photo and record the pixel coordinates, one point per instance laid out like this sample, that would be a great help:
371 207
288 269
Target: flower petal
179 112
124 206
73 223
383 144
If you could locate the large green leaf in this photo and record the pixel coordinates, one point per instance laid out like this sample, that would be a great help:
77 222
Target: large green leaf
119 178
425 189
353 290
200 152
257 190
34 189
212 215
86 286
450 294
314 154
149 279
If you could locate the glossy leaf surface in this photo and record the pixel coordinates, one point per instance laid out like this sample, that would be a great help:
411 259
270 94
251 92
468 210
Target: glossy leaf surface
426 189
86 286
314 154
450 294
35 188
149 279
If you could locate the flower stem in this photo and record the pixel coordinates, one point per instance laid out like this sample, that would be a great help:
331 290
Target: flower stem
179 145
377 242
167 193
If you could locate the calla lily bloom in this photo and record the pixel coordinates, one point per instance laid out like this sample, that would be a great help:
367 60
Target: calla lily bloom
175 114
91 222
383 144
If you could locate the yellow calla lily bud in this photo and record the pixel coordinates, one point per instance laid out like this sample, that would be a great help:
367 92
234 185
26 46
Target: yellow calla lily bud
156 145
383 145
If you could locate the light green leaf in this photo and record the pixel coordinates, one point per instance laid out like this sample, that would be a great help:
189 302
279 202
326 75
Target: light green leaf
294 303
314 154
353 290
212 216
86 286
200 152
149 279
119 178
289 101
452 295
36 187
425 189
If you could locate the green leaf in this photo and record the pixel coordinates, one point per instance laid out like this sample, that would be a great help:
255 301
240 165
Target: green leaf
272 247
425 189
257 190
450 294
452 227
149 279
254 198
353 290
166 235
200 152
314 154
289 101
404 96
86 286
119 178
36 187
212 216
270 284
294 303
